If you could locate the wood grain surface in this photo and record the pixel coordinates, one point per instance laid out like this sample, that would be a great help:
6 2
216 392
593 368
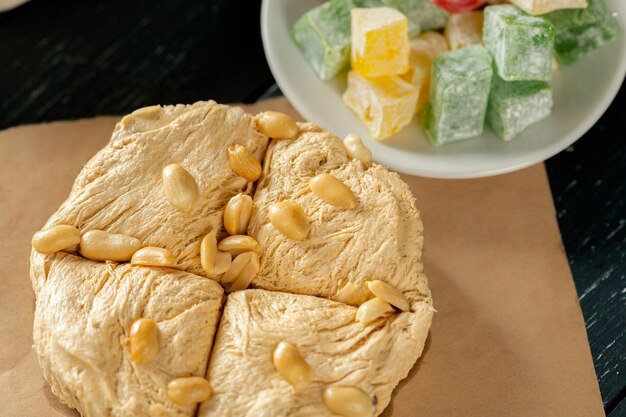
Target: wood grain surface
72 59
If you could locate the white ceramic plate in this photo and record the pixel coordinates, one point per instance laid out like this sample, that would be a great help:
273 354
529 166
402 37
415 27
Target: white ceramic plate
582 92
10 4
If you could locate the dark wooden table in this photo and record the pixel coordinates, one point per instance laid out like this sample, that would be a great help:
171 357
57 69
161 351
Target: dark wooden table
69 59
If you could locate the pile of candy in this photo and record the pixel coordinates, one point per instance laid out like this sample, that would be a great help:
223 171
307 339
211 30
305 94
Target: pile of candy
456 66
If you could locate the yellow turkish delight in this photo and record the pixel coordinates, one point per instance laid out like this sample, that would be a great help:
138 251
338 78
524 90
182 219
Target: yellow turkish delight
423 51
464 29
380 42
384 104
536 7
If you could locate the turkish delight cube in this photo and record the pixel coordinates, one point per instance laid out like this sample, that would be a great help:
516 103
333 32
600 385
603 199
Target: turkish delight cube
369 3
423 51
521 45
323 36
581 31
423 15
428 45
384 104
515 105
537 7
380 42
459 94
464 29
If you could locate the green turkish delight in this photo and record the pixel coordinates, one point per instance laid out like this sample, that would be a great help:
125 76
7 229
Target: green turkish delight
581 31
369 3
323 36
423 15
459 94
515 105
522 45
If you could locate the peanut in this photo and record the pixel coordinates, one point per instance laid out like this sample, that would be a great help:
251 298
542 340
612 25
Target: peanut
144 340
240 274
180 187
372 309
189 390
291 365
348 293
153 256
348 401
149 112
238 244
237 214
331 190
213 261
290 220
244 163
55 238
104 246
276 125
357 150
389 294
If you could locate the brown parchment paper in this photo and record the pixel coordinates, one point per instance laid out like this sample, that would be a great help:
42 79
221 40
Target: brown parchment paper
508 338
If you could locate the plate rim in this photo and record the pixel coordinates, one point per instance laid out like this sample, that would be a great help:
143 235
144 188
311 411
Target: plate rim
590 120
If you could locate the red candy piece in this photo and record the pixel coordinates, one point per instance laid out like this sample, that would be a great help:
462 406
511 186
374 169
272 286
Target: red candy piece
459 6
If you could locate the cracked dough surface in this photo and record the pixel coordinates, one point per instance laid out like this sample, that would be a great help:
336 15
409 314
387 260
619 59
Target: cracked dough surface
381 238
84 309
339 350
83 314
120 190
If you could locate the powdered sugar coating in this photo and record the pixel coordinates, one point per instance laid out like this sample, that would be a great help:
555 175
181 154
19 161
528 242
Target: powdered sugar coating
581 31
520 44
459 93
323 37
515 105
